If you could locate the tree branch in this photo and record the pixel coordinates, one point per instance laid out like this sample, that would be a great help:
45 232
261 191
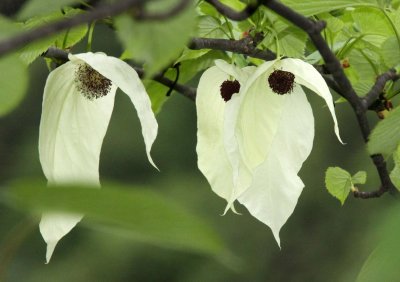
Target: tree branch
55 53
232 14
98 13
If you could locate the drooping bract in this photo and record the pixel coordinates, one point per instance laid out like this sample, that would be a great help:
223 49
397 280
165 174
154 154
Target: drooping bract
77 105
251 147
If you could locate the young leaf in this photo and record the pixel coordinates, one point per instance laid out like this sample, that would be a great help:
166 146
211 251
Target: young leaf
156 43
395 173
13 83
385 137
143 215
338 182
359 178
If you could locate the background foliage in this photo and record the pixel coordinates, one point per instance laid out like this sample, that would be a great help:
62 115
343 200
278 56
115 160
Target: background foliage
322 241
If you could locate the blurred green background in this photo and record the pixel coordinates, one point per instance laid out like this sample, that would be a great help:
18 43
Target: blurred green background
322 241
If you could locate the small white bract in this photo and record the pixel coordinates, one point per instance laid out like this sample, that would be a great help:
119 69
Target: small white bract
77 105
252 144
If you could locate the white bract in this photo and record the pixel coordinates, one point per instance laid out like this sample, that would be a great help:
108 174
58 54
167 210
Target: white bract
252 146
77 105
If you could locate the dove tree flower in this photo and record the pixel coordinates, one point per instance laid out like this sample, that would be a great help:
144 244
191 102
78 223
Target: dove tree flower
77 105
255 130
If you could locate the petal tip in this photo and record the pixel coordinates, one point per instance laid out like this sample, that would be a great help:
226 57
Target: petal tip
152 162
230 206
51 245
276 236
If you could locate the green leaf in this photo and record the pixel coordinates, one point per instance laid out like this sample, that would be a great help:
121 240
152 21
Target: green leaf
313 7
383 262
391 52
395 17
333 24
395 173
42 7
362 69
363 17
359 178
234 4
142 215
157 93
210 27
292 42
338 182
189 54
74 35
156 43
206 8
13 83
63 40
385 137
190 68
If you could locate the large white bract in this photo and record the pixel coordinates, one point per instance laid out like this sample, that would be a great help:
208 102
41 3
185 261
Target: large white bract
73 126
252 147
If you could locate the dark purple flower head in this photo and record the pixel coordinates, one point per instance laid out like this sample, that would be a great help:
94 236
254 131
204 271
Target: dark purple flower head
228 88
281 82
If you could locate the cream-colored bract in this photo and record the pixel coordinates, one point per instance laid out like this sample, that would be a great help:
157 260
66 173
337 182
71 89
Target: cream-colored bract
252 147
72 129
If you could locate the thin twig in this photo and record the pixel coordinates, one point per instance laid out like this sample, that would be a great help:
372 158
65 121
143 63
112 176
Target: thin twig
245 46
377 89
187 91
369 194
